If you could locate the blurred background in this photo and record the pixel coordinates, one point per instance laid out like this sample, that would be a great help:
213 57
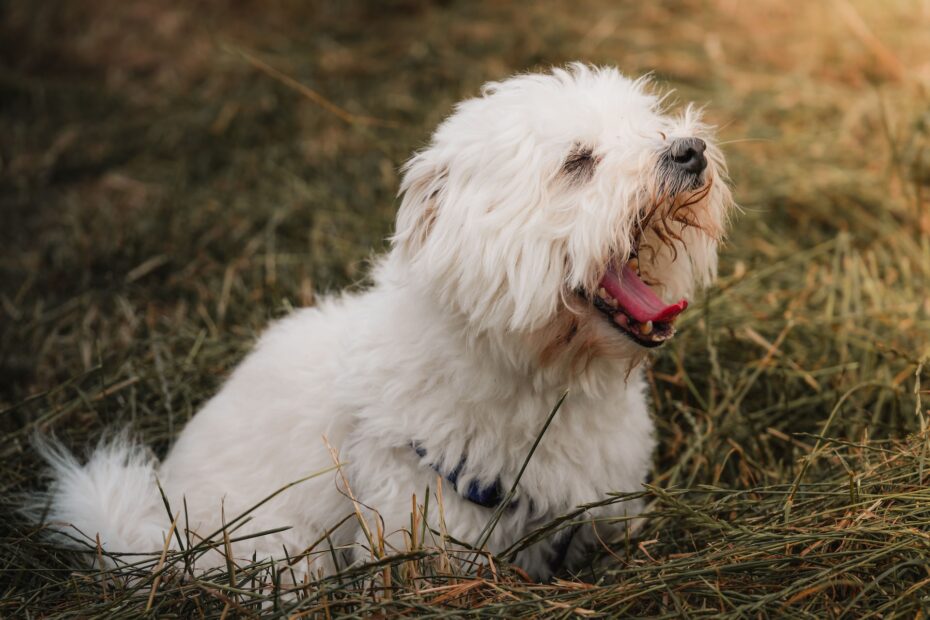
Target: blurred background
173 175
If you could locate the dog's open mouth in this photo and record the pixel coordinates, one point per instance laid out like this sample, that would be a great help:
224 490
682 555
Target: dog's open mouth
633 307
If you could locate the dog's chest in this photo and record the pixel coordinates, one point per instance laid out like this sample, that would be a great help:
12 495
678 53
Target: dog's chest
593 446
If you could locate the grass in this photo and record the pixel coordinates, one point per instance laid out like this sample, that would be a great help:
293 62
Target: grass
164 197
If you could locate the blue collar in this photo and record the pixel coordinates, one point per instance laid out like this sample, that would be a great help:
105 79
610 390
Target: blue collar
490 496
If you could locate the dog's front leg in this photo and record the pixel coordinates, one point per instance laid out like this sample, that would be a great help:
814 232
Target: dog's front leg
601 529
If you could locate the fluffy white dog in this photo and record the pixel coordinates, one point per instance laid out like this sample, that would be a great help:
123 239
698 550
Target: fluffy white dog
548 236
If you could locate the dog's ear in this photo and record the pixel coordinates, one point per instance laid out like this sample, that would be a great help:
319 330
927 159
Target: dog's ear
422 188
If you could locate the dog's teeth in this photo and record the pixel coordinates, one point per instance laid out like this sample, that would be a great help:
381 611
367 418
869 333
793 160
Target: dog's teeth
602 292
646 327
620 319
634 264
612 302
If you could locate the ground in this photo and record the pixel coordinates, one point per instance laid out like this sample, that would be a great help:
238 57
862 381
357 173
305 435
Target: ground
174 175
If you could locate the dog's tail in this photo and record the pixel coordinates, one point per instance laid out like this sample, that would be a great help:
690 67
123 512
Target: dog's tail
114 497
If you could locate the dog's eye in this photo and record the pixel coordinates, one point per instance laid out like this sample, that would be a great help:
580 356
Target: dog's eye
580 163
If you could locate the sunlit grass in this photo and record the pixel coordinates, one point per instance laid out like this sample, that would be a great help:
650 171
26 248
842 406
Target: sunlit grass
163 199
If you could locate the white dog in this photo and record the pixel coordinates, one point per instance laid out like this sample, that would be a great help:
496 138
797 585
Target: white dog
548 235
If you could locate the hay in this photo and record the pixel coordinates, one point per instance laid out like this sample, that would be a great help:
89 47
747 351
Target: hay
163 199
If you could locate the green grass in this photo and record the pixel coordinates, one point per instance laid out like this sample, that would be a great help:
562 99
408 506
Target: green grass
162 199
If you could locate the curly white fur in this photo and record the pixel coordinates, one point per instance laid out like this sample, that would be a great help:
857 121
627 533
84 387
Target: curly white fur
472 329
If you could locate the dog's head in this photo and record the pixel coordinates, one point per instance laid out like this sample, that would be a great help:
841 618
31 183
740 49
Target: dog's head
567 206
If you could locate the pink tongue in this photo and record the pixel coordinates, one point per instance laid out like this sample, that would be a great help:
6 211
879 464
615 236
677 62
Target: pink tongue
638 299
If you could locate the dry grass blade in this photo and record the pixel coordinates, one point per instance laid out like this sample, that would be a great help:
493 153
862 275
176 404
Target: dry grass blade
161 563
309 93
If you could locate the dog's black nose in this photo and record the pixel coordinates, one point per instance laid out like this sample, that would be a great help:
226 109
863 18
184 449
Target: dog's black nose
688 154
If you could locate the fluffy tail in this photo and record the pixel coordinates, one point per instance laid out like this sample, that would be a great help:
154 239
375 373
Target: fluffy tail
114 496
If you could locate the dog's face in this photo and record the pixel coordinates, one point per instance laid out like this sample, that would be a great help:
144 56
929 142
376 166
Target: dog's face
566 205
